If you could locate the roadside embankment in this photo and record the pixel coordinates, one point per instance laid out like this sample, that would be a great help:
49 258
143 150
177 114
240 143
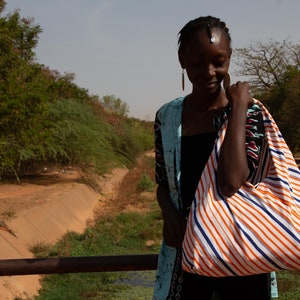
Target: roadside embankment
43 214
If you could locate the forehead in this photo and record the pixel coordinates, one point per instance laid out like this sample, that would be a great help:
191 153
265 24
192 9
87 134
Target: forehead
200 42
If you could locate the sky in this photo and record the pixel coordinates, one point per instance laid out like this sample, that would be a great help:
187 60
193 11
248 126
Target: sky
128 48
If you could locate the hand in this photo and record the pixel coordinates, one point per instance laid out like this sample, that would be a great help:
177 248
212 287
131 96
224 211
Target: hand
238 94
174 228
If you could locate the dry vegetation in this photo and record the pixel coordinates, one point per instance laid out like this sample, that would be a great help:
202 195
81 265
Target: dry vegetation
136 191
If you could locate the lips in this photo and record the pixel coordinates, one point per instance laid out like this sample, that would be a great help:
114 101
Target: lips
211 84
208 85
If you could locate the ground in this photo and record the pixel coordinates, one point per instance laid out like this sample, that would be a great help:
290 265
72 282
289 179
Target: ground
33 191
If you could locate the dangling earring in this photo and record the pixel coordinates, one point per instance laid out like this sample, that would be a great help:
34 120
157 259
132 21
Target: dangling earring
182 79
226 81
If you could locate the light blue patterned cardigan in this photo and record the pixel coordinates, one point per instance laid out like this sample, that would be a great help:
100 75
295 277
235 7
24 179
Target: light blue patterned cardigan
170 116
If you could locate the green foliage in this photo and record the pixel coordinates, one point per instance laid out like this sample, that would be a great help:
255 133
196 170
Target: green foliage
135 137
284 103
61 86
115 105
78 136
19 36
45 117
145 184
124 234
39 249
97 286
21 97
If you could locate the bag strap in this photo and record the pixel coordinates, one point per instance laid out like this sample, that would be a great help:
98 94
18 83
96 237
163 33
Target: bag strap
272 143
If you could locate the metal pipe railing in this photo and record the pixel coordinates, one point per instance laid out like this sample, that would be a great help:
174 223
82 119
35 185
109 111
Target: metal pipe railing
30 266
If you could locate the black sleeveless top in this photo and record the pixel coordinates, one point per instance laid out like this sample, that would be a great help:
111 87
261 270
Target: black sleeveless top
195 151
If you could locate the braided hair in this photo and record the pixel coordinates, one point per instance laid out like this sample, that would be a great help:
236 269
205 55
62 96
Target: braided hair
201 23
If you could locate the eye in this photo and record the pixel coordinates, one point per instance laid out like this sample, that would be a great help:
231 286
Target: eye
196 63
219 63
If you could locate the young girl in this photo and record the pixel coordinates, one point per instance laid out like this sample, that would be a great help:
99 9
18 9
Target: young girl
185 131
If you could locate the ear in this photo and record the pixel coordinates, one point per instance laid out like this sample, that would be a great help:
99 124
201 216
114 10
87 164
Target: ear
181 59
230 53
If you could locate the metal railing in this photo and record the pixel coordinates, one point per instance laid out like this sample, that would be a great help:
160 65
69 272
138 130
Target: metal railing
30 266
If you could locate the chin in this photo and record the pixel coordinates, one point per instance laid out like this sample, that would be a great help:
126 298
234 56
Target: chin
216 89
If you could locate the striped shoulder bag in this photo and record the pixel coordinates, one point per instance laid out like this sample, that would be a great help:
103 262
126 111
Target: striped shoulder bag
257 230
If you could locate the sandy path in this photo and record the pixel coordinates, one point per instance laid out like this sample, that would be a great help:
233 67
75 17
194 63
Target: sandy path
42 212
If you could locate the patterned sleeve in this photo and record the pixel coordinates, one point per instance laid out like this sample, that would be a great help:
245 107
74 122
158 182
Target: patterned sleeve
160 167
254 136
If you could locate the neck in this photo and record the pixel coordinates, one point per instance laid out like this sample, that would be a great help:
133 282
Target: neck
207 101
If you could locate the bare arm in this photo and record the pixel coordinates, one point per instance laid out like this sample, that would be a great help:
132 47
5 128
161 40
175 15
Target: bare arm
233 168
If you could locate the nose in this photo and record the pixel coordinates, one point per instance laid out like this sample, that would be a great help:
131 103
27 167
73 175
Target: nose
210 70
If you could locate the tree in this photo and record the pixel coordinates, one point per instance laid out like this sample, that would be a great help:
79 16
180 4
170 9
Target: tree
115 105
273 69
2 5
62 86
22 98
265 63
284 103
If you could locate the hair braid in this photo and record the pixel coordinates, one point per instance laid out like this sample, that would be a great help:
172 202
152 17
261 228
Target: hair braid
201 23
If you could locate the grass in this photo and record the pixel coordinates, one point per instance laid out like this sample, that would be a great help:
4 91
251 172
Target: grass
126 233
39 249
288 285
145 184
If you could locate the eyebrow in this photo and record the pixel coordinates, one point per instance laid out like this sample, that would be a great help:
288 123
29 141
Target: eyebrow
221 55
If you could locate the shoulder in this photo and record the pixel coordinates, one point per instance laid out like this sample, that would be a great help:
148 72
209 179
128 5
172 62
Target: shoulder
255 123
170 107
255 111
256 107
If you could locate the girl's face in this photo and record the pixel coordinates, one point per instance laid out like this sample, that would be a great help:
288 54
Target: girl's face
206 62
